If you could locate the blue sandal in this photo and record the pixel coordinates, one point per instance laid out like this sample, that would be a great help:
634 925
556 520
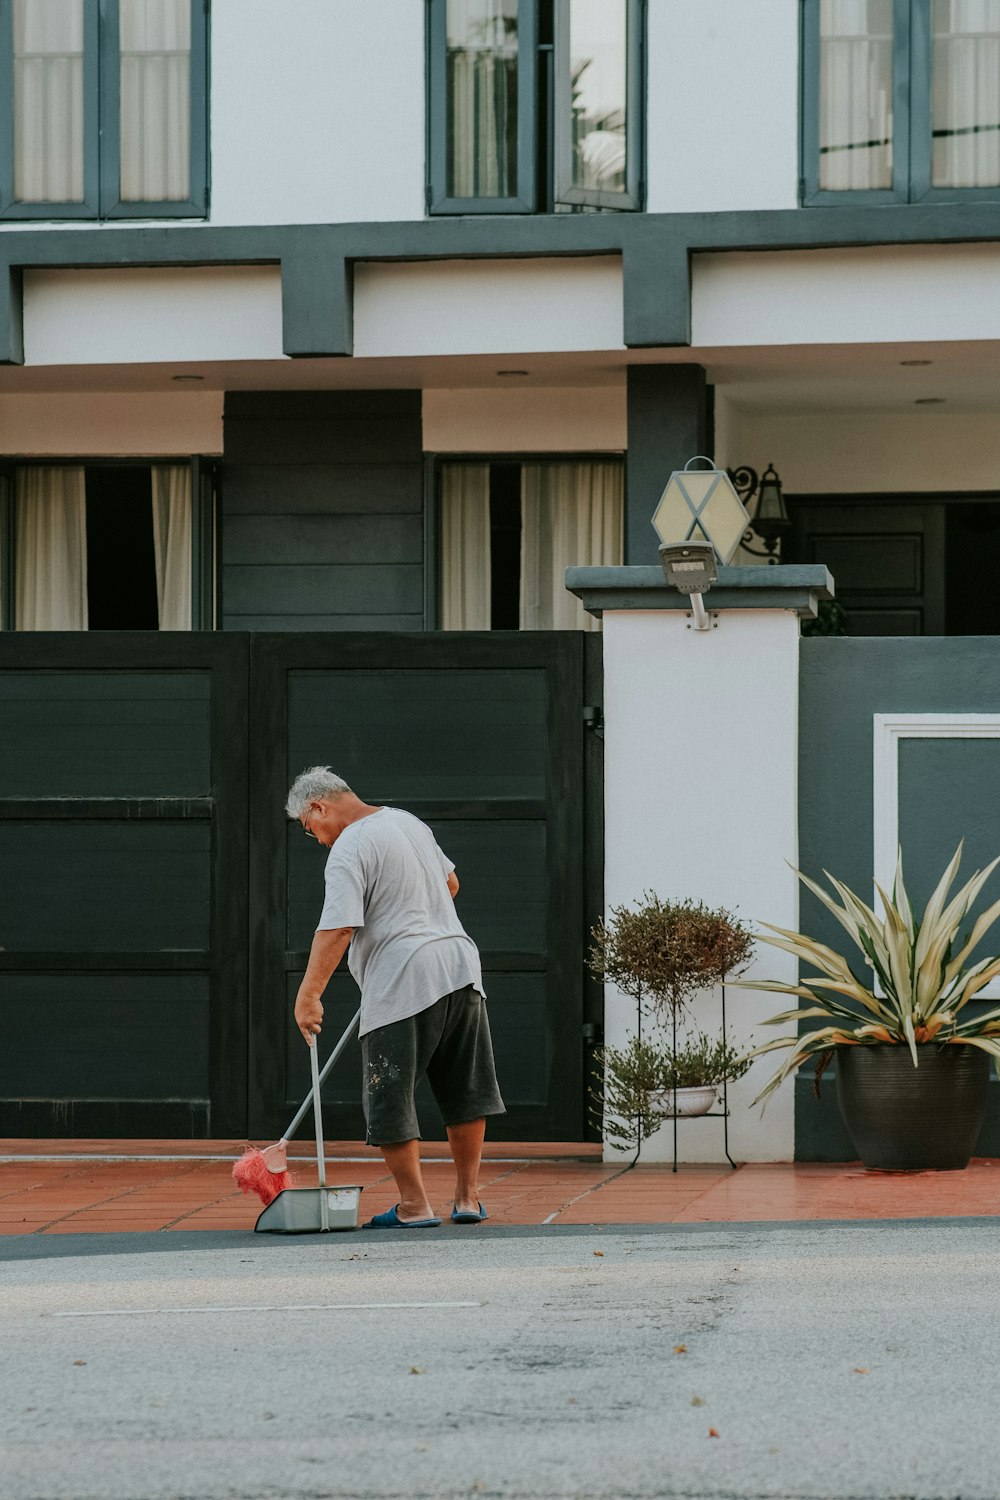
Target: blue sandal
467 1216
391 1220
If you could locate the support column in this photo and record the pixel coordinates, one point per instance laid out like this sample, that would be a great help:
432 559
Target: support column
701 799
667 424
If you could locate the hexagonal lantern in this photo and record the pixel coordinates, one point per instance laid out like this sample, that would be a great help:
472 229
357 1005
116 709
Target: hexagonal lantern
702 505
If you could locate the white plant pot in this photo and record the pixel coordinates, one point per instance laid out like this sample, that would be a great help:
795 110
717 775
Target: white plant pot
680 1102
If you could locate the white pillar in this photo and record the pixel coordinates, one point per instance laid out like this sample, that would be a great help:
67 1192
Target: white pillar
701 792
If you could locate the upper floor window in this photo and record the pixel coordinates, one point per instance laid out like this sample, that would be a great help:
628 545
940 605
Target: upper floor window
105 108
901 100
535 105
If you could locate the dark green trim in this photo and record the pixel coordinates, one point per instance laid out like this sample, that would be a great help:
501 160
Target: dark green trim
439 200
432 542
562 140
667 407
6 548
104 809
203 543
799 588
316 259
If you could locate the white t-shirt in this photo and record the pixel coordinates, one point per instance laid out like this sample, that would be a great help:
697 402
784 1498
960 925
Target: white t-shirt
387 878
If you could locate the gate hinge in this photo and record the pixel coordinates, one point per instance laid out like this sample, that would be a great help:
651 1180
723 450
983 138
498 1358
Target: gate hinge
593 1031
594 719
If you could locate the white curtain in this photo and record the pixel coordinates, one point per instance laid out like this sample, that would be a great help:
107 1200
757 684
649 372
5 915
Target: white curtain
172 544
855 94
50 549
48 101
465 547
966 93
482 69
571 515
155 41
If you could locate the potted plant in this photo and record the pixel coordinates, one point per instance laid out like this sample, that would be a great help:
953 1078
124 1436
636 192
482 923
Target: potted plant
912 1059
638 1086
661 954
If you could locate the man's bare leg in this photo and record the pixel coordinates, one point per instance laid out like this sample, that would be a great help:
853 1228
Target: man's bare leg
466 1142
403 1160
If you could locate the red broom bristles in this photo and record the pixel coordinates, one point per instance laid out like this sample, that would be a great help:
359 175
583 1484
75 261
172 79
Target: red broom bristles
251 1175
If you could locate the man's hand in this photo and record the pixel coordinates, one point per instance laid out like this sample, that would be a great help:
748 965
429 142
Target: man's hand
309 1016
328 947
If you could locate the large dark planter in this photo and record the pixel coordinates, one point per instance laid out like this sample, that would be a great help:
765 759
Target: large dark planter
903 1118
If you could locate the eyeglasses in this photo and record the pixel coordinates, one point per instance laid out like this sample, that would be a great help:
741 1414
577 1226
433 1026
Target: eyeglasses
306 829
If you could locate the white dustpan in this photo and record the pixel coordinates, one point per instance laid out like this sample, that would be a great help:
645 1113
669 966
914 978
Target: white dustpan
312 1210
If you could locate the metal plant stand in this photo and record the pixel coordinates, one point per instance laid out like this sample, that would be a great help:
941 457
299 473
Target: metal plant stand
711 1114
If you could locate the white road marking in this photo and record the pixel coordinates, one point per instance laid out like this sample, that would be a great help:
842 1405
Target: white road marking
128 1312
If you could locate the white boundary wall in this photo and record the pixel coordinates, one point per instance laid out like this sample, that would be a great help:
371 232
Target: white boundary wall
701 790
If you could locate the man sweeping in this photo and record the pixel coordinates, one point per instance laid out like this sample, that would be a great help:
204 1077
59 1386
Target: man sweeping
390 894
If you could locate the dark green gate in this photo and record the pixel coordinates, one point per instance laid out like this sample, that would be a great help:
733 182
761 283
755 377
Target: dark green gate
123 910
156 906
482 736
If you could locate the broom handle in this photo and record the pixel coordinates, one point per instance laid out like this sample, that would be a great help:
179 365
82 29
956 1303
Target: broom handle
324 1207
337 1052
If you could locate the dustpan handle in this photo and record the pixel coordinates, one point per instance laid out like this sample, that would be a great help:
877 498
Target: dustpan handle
303 1108
317 1111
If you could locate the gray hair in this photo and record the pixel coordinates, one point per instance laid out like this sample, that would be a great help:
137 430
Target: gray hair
317 784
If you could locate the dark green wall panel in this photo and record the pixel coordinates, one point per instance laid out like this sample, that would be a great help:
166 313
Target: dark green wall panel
322 510
501 868
422 734
324 489
273 540
134 1036
306 588
104 886
104 734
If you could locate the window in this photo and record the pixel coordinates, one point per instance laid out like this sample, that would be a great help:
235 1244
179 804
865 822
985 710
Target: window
901 100
107 546
535 105
104 108
510 529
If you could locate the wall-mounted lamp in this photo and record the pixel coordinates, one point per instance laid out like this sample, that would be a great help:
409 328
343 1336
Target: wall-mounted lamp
700 521
771 521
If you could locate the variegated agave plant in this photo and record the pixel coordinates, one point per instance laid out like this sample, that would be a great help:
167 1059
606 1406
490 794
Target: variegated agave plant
924 977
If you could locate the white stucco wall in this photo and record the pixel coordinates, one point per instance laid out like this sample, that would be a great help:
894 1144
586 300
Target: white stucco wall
111 424
317 111
885 294
869 453
488 306
527 420
701 736
723 101
152 315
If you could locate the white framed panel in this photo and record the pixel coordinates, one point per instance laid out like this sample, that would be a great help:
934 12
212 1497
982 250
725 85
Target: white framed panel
889 730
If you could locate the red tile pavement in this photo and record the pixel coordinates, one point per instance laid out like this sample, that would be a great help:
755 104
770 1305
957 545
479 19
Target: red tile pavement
93 1187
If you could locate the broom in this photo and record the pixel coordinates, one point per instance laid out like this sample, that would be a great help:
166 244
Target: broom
266 1172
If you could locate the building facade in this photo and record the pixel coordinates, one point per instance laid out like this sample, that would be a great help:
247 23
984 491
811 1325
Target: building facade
348 323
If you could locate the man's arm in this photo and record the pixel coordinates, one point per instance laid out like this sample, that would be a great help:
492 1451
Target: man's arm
453 884
328 947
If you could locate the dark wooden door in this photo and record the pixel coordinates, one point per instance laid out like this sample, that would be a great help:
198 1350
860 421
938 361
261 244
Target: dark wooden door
887 557
483 737
123 936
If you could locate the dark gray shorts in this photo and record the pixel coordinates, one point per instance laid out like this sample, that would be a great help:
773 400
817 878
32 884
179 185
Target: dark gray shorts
450 1042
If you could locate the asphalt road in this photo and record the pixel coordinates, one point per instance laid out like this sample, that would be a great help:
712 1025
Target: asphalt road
831 1361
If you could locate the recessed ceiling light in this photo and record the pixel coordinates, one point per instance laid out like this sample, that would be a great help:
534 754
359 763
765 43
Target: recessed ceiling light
512 372
916 361
186 379
930 401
